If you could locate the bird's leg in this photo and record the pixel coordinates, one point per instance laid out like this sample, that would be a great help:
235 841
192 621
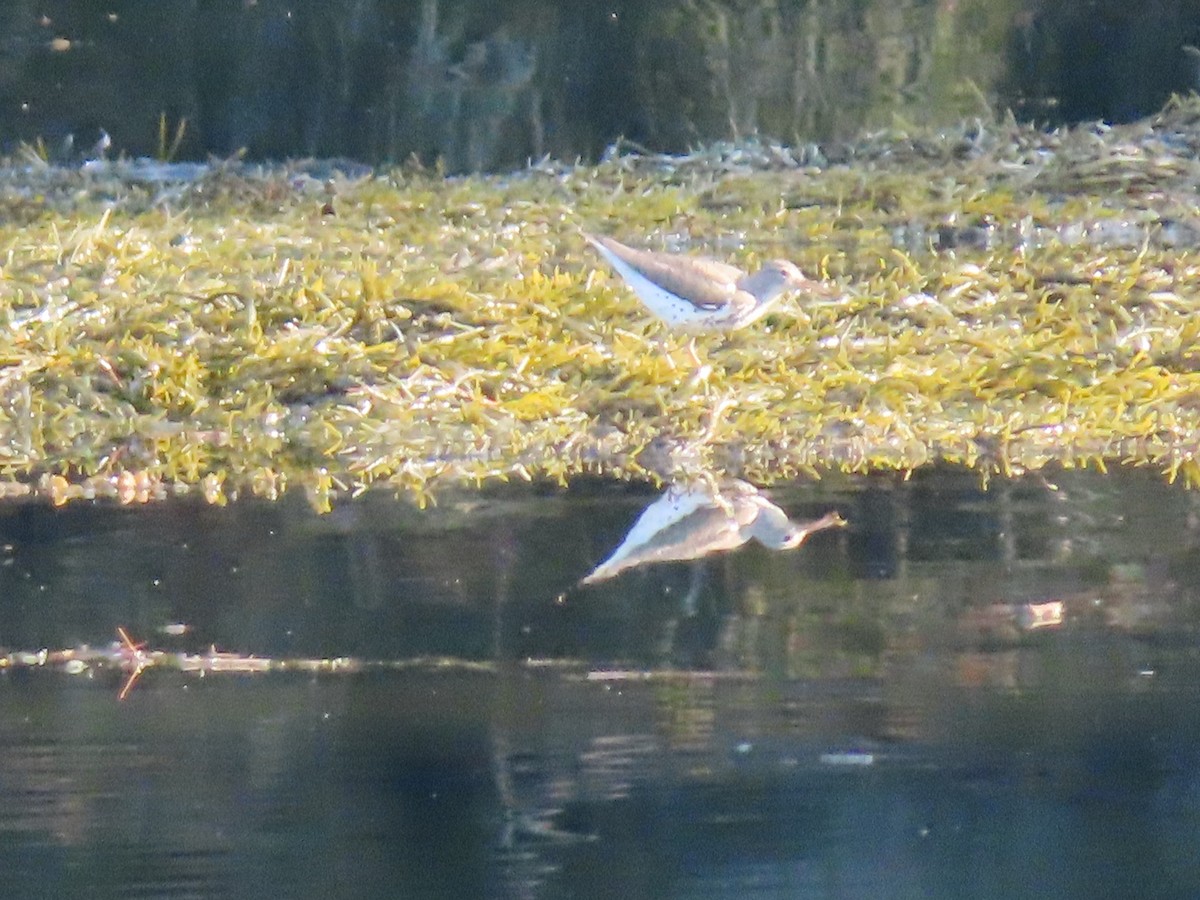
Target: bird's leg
667 353
722 502
700 376
666 642
691 598
714 418
695 363
707 477
701 370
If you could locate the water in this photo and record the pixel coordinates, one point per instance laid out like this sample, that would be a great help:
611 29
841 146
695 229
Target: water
474 86
899 709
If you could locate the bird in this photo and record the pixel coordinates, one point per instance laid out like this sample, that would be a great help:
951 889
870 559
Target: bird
697 294
691 521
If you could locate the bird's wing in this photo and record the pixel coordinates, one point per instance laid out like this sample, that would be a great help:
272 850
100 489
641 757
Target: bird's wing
684 523
705 283
715 269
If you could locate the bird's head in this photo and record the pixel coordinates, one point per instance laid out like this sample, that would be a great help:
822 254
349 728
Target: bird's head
798 533
786 273
773 280
775 530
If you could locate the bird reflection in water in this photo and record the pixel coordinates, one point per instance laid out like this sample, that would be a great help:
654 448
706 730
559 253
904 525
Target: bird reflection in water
690 522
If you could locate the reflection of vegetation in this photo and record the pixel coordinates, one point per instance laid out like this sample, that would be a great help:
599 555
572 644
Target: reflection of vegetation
484 85
818 69
738 58
168 145
464 107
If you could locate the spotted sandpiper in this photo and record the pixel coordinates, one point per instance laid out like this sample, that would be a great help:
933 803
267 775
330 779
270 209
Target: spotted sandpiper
694 293
690 522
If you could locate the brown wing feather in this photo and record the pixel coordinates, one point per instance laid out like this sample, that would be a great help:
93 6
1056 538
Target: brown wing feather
713 268
706 283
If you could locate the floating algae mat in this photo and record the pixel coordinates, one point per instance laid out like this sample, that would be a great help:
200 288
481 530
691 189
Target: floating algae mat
1005 299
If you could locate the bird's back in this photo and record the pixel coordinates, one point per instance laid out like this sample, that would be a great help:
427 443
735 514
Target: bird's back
707 284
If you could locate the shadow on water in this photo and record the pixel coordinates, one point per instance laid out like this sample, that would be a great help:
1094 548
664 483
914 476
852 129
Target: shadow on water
962 694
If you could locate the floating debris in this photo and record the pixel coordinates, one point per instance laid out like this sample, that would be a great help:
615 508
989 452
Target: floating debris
134 659
849 758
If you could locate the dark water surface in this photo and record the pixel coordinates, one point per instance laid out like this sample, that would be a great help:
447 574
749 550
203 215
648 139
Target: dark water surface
479 85
964 694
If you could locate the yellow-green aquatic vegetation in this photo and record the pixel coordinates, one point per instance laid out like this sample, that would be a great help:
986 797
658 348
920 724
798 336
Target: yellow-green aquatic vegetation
1008 301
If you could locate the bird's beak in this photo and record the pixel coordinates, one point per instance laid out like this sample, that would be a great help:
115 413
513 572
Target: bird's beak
820 288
